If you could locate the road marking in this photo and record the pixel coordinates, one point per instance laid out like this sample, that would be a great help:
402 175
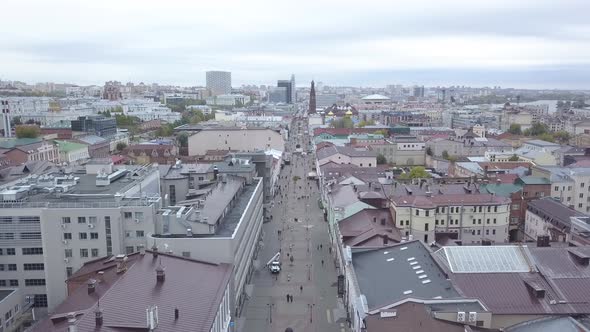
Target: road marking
328 315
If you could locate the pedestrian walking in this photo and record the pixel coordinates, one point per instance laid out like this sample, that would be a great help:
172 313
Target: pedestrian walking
322 262
301 289
321 247
330 250
287 297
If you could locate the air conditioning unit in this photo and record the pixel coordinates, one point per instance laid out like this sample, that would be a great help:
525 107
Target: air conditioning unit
64 225
64 241
472 317
67 260
137 221
461 316
90 225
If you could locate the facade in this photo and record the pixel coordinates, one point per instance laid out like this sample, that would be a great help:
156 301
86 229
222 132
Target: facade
75 217
22 150
549 217
277 94
471 146
289 88
403 150
233 138
6 121
112 91
342 155
15 313
95 125
218 82
179 182
145 291
469 218
70 152
223 227
570 185
228 100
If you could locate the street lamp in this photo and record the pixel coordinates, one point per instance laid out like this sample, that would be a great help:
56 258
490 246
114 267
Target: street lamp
270 305
310 306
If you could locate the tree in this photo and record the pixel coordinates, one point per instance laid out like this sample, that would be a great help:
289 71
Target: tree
515 129
562 137
445 154
121 146
366 123
546 137
514 158
182 139
381 159
429 151
538 129
24 131
381 132
17 121
342 123
418 172
296 178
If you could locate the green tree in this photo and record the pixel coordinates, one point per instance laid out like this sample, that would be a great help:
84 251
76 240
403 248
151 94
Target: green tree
445 154
562 137
121 146
345 122
538 129
515 129
429 151
165 130
365 123
17 121
381 132
381 160
546 137
418 172
514 158
25 131
182 139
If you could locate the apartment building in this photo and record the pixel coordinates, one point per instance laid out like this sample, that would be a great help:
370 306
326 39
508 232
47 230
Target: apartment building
51 224
222 227
570 185
403 150
549 217
469 218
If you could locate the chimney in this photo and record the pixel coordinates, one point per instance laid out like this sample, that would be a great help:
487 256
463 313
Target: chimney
98 316
176 313
155 250
100 276
91 285
160 273
72 322
121 263
215 172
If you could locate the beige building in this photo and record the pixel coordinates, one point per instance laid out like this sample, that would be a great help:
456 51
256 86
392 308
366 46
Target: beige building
235 139
469 218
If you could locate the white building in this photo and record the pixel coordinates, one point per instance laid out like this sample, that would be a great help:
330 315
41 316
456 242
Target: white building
235 139
52 224
228 100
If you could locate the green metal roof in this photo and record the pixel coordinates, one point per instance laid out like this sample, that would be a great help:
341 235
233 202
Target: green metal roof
533 180
14 142
67 146
500 189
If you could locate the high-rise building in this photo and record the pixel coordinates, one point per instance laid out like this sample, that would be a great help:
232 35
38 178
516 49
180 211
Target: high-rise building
288 85
112 91
418 91
277 94
219 82
5 118
293 89
312 104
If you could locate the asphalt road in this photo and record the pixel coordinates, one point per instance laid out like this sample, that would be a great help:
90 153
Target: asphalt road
311 277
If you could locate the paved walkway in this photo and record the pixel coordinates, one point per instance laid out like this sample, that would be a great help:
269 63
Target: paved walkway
311 277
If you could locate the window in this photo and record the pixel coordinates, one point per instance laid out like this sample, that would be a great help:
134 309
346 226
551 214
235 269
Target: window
407 223
66 220
580 205
489 209
127 215
581 195
94 252
496 208
172 191
582 185
83 236
10 251
417 212
13 283
81 220
569 188
442 222
93 236
34 282
479 221
442 210
2 283
383 221
40 301
436 210
494 220
129 250
83 253
515 207
186 254
6 236
32 251
34 266
92 220
436 222
474 221
128 234
427 212
30 236
69 271
452 209
426 227
67 236
139 216
479 232
2 267
493 231
487 232
488 221
11 267
68 253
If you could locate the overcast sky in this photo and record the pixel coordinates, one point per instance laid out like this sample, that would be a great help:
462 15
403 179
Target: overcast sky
520 43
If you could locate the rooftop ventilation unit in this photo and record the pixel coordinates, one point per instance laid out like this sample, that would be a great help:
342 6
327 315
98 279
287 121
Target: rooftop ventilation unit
461 316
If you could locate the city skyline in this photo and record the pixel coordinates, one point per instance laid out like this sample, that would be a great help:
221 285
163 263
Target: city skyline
524 45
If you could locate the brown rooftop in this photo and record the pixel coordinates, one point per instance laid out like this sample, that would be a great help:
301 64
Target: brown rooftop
125 296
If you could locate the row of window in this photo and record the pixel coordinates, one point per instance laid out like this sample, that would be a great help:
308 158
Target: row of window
137 234
69 253
569 188
487 232
25 251
26 267
82 236
457 209
20 219
22 236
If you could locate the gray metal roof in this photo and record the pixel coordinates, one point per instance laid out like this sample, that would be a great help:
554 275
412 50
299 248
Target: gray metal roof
485 259
406 270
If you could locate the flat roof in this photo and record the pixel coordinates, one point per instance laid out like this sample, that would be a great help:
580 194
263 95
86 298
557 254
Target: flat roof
4 293
406 270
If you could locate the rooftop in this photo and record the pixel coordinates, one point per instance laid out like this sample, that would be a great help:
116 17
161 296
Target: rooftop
485 259
4 293
406 270
124 297
532 180
549 208
12 143
67 146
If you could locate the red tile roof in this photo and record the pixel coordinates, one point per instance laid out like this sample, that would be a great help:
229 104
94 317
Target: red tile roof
124 297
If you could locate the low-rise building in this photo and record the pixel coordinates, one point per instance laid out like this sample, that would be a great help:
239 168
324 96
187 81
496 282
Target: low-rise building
71 152
549 217
402 150
344 155
21 150
148 291
235 138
